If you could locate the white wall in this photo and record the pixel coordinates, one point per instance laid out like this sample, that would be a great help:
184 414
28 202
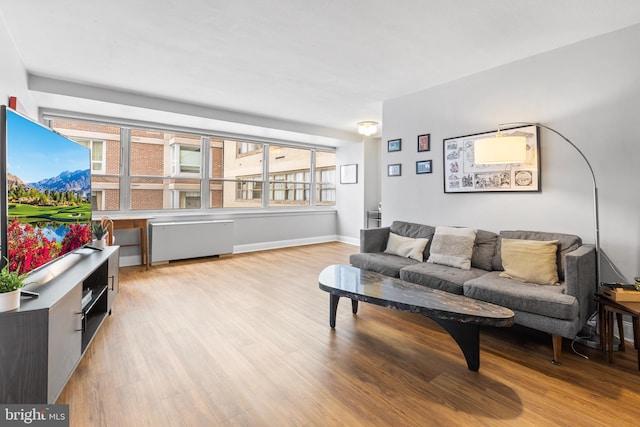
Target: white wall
13 77
283 229
350 197
371 175
252 232
589 91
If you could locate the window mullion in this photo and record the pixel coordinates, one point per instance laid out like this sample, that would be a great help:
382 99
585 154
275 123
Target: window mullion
125 169
205 159
314 187
265 176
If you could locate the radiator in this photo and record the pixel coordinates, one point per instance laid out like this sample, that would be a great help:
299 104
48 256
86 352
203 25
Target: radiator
193 239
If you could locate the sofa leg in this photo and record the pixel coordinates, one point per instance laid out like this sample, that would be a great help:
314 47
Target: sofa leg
557 348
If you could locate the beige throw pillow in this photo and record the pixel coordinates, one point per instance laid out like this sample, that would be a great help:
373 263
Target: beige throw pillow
531 261
406 246
452 246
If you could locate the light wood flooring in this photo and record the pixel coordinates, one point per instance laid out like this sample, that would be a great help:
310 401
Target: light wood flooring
245 340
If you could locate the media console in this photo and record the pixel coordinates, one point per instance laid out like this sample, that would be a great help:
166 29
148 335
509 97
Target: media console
42 342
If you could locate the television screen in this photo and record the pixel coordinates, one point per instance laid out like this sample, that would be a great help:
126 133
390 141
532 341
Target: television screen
46 193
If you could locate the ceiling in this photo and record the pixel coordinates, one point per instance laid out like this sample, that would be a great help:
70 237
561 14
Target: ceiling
306 67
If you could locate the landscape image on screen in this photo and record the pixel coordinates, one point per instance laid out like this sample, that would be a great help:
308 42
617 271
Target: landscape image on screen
48 194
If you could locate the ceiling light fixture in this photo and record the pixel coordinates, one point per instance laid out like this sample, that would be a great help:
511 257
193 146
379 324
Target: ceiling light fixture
367 128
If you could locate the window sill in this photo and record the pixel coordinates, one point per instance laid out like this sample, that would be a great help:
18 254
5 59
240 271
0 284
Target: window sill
217 214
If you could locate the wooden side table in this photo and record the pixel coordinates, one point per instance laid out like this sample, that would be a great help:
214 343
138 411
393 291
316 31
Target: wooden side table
606 309
140 223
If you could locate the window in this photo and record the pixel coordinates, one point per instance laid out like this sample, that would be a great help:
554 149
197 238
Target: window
326 178
248 190
327 186
104 143
289 176
166 170
235 173
185 160
186 199
97 153
97 200
248 148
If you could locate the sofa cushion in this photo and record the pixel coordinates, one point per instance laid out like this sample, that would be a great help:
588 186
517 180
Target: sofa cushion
438 276
530 260
406 246
566 243
415 231
380 262
452 246
484 248
545 300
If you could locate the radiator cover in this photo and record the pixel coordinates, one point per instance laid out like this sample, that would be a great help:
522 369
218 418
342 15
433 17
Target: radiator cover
190 239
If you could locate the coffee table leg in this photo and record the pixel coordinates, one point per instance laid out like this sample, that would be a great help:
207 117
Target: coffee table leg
468 338
354 306
333 309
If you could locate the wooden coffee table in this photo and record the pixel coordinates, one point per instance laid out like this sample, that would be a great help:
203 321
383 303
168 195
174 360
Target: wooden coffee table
460 316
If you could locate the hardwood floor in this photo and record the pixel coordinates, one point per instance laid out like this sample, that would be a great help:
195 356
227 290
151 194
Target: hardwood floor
245 340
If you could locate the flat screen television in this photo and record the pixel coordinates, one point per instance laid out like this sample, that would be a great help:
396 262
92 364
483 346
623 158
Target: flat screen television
45 191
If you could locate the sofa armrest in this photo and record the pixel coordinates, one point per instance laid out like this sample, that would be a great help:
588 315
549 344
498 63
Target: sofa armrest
374 239
580 279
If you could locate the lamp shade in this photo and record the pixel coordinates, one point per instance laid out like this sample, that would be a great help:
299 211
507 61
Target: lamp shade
500 149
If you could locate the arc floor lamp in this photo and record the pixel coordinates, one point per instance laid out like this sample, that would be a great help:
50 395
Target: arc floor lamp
511 149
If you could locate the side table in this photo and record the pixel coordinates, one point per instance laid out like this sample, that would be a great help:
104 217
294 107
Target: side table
375 217
140 223
606 309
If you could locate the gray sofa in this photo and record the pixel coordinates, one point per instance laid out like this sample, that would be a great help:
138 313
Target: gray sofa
560 310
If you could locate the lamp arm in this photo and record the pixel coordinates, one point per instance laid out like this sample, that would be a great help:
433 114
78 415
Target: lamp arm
593 176
595 186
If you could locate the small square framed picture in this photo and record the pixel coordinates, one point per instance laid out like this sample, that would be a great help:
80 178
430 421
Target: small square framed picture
423 166
394 145
424 142
394 170
349 174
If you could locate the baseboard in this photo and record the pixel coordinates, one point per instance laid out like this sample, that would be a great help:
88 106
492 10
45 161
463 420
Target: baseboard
133 260
354 241
262 246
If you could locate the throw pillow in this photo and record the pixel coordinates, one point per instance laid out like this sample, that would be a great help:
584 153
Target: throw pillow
406 246
453 247
531 261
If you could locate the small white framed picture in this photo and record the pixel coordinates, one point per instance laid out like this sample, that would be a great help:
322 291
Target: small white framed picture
394 169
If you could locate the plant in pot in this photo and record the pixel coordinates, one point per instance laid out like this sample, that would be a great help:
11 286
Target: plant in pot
99 231
10 284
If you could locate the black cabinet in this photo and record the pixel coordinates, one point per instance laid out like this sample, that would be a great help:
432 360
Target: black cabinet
42 342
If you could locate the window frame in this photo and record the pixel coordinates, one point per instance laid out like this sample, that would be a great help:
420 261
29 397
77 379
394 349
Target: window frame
258 145
90 146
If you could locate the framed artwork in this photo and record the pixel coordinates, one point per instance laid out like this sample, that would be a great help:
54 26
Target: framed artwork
394 170
423 166
462 175
424 142
394 145
349 174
